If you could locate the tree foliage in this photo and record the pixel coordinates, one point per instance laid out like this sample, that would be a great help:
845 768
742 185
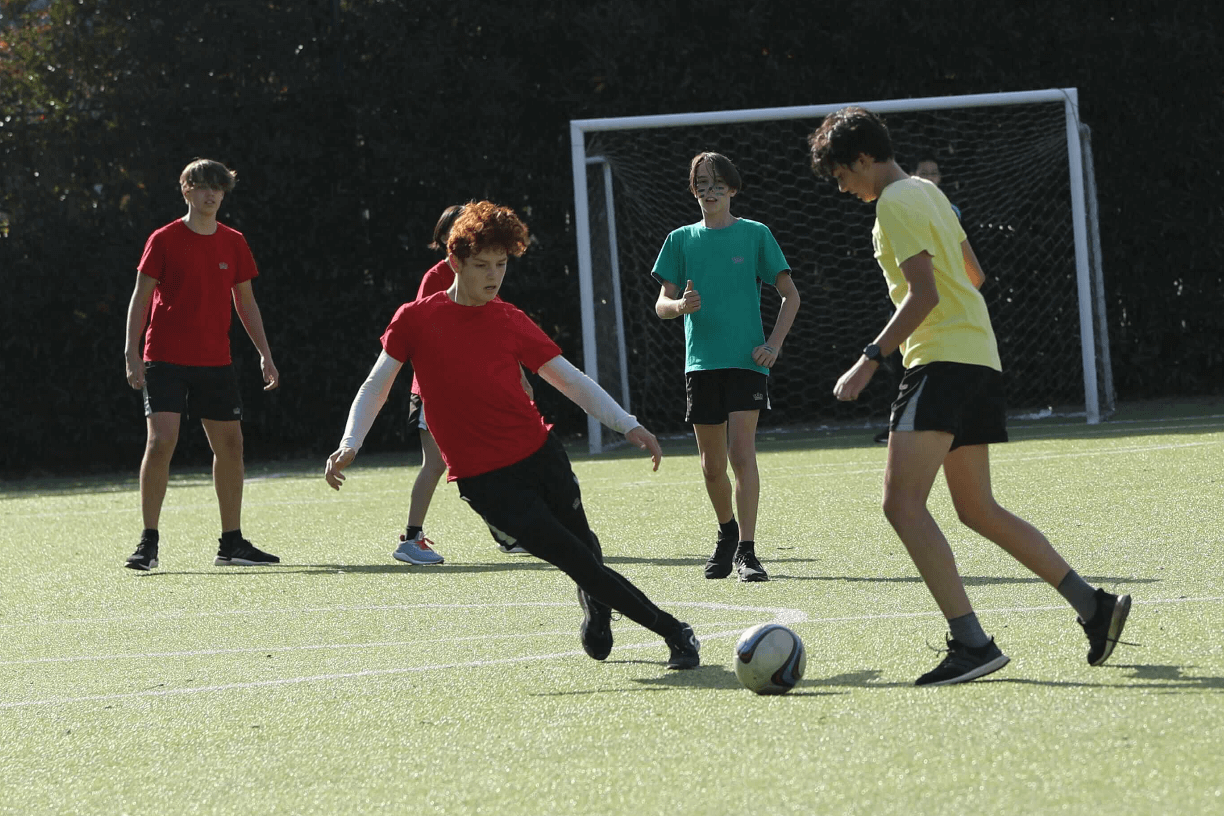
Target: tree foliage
353 123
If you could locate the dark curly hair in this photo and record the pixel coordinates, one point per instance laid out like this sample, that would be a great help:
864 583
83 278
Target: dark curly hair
844 135
484 225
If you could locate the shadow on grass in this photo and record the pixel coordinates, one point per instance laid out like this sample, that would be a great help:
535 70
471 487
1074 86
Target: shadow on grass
407 570
714 677
1163 679
969 580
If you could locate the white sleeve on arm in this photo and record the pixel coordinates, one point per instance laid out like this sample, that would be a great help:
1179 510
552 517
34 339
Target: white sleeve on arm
371 397
587 395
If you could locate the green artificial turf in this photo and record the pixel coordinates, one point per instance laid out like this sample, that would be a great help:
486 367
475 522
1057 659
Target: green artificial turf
341 681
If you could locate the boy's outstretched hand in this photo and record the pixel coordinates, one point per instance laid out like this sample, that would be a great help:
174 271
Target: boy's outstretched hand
645 440
338 461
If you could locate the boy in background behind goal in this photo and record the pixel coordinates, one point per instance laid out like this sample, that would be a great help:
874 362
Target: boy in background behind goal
949 408
710 273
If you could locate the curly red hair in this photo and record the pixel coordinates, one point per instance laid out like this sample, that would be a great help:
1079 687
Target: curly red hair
484 225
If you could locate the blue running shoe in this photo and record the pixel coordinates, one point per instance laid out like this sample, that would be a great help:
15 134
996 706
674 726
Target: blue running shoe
416 551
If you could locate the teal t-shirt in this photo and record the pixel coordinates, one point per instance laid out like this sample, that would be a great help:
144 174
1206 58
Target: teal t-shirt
726 267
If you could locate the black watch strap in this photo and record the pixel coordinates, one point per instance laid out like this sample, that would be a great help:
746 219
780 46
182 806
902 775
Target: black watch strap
872 352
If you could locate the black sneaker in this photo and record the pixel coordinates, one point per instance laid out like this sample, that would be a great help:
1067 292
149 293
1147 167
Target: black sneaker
243 554
145 557
748 567
685 649
1103 630
596 626
718 565
964 663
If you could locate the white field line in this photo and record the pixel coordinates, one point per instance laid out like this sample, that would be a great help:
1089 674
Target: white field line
831 468
788 616
386 644
781 615
814 469
839 469
781 612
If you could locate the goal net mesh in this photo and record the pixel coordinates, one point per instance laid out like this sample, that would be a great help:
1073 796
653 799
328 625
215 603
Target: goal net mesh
1004 166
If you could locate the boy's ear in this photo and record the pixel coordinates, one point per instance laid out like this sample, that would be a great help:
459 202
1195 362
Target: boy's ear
864 162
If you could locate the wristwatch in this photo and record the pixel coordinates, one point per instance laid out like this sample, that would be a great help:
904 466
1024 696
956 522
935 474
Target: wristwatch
872 352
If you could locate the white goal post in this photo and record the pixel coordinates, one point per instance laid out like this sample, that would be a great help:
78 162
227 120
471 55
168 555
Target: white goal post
1018 164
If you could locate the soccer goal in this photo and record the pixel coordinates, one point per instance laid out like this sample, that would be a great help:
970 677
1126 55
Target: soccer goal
1018 165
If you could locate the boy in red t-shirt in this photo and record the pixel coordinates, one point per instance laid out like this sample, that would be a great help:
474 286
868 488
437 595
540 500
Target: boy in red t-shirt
413 547
191 270
466 347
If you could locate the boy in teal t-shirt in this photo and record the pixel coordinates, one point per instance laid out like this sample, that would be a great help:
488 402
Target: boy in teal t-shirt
711 273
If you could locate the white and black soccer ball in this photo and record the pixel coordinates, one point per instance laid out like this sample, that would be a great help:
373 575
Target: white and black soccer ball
769 659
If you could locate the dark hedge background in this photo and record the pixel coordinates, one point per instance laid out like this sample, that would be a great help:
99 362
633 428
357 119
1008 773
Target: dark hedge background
353 124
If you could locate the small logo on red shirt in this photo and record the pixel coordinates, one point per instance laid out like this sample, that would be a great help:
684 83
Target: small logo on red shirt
223 265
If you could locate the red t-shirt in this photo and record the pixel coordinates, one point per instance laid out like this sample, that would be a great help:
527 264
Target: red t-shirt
190 318
467 363
438 279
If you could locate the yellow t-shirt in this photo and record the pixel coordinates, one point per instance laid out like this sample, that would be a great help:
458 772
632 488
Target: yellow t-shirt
913 215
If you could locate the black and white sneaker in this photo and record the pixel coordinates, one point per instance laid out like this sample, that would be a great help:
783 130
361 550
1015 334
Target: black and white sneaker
145 557
1105 627
685 649
748 567
718 565
243 554
596 629
964 663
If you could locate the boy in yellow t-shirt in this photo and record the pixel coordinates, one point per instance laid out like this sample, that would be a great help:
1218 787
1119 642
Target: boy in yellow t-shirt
949 407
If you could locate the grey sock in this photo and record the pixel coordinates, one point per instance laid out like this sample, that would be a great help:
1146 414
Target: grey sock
968 631
1079 593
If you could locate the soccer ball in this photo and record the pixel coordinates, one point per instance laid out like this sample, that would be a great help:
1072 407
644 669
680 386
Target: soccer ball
769 659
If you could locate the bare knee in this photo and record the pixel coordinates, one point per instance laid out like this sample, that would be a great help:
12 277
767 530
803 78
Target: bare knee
743 458
978 514
713 473
160 445
901 509
226 443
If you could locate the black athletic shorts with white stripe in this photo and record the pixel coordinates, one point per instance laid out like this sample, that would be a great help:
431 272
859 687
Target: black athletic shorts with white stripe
964 400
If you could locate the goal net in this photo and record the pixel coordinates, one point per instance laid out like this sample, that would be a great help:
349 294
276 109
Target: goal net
1013 164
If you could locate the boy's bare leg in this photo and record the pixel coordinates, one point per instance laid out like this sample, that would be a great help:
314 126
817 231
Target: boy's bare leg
225 437
914 458
712 445
432 469
741 450
163 429
967 470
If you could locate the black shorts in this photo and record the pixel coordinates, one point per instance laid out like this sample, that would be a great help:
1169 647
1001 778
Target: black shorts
521 500
416 413
210 392
536 503
714 395
964 400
